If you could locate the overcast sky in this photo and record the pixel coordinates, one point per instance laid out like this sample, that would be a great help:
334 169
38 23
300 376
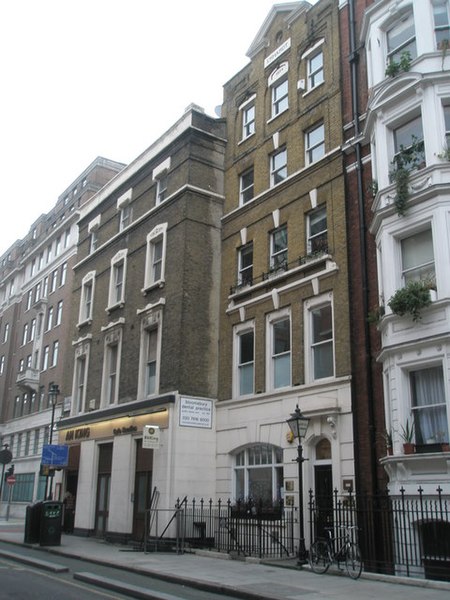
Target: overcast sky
104 78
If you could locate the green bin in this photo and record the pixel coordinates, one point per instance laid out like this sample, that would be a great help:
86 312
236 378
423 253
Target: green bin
51 523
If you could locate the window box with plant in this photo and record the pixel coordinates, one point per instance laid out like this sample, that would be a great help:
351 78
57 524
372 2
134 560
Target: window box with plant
395 67
412 299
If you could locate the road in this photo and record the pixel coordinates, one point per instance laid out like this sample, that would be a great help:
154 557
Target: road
28 582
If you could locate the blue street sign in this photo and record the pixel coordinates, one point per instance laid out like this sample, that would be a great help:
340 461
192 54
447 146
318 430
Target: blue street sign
54 455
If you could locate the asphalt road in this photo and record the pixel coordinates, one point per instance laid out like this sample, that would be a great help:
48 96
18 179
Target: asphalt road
26 582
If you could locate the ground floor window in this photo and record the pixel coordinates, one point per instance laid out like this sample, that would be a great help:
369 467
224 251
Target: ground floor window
259 474
22 490
429 406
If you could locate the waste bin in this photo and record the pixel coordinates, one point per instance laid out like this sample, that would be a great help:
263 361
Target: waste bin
51 523
32 523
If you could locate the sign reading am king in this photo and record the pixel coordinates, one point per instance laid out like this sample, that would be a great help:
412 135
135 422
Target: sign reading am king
150 437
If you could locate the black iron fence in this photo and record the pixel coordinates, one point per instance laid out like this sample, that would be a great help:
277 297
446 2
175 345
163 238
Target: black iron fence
242 528
399 535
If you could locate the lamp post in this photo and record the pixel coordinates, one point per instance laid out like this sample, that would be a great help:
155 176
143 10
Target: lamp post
53 393
298 424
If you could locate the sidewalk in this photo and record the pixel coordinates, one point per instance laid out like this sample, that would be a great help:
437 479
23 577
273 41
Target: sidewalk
248 579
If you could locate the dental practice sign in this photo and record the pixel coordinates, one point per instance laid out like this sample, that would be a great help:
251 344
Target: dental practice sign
195 412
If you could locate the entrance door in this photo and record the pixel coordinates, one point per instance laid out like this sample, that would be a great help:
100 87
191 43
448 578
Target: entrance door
323 498
103 489
142 489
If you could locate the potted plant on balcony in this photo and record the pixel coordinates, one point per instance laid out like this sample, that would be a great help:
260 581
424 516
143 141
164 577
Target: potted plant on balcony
411 299
407 435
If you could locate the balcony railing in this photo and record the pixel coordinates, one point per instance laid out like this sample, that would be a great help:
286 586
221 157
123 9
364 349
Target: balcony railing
28 379
280 270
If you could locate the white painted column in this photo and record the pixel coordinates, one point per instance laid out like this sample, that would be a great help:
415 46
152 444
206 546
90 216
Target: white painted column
87 486
122 485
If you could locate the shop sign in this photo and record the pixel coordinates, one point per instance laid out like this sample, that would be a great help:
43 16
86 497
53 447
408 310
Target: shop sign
195 413
125 425
150 437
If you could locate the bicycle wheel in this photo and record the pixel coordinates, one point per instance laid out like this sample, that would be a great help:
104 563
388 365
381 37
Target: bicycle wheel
319 556
353 561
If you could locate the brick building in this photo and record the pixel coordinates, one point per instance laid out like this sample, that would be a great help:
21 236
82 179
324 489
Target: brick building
145 332
35 304
284 326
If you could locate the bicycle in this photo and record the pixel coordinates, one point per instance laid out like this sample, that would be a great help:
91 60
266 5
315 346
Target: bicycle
322 553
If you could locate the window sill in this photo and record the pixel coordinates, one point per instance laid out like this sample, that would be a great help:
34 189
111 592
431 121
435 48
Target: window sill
153 286
310 90
81 324
277 115
113 307
242 140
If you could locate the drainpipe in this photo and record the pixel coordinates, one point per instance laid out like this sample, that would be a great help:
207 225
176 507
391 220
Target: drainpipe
353 59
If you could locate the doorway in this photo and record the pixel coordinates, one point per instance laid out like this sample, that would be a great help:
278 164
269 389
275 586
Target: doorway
323 488
103 489
142 489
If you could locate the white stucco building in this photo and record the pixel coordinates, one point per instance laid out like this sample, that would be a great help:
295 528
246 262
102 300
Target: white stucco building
408 123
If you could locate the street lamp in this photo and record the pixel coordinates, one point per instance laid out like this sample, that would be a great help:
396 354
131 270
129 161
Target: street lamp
53 393
298 424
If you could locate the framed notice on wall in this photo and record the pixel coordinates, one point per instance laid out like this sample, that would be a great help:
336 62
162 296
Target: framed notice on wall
195 413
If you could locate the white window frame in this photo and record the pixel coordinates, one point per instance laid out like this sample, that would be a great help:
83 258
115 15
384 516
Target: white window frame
278 258
278 168
243 278
441 30
273 357
245 188
244 464
156 238
312 237
421 271
248 116
279 91
59 309
238 366
49 320
118 260
125 216
394 53
407 125
439 436
159 175
55 352
45 357
79 385
310 306
93 233
2 364
87 298
151 320
113 339
312 72
63 277
311 147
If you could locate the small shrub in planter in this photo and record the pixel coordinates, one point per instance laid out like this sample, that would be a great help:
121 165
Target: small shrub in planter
411 299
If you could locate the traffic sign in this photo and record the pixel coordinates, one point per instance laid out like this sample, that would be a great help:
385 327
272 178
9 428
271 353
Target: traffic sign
55 455
11 479
5 456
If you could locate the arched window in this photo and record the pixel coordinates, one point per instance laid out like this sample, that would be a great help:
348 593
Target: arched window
259 473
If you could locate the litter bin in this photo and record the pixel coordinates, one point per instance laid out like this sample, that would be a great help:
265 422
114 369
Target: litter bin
51 523
32 523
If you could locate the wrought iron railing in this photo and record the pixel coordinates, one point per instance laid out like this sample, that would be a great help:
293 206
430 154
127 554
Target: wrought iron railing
407 535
